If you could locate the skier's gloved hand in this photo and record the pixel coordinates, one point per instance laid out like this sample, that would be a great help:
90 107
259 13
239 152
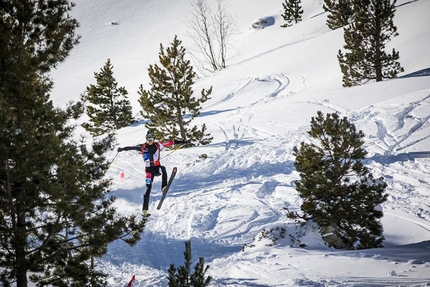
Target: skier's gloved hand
120 149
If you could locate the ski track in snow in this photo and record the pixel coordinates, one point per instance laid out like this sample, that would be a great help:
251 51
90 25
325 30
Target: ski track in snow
395 129
326 103
403 129
276 87
240 86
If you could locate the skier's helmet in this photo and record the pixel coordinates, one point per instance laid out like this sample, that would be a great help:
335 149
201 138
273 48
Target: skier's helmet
150 135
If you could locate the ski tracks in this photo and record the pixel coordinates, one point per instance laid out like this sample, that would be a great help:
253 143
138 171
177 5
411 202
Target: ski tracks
408 185
280 83
407 127
238 125
231 94
396 130
326 103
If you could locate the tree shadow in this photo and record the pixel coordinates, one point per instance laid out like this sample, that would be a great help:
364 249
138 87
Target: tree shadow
214 112
388 159
201 181
420 73
157 251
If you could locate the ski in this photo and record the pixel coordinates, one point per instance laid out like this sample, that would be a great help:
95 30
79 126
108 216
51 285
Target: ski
166 188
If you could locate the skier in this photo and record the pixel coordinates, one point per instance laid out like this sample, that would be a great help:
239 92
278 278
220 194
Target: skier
150 151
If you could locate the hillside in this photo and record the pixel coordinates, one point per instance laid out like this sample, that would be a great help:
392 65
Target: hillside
276 80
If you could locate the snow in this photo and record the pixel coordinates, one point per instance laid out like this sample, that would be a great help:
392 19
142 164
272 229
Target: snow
261 106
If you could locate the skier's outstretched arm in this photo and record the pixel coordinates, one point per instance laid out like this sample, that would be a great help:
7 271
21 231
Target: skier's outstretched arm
126 148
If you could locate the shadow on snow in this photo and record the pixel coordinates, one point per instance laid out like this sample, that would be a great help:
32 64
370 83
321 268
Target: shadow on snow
388 159
157 251
420 73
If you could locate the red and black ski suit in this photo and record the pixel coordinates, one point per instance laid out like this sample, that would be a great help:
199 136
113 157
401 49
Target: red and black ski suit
153 168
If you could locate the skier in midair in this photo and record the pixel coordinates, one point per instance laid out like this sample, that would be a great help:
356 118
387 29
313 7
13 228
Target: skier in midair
150 151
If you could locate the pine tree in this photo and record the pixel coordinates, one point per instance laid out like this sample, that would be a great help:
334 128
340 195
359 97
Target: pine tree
371 29
170 105
108 108
340 12
292 12
338 191
56 212
182 276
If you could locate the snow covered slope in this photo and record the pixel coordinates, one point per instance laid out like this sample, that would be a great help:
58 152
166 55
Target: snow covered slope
276 80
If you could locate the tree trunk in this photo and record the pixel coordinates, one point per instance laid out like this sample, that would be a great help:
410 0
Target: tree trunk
20 242
378 50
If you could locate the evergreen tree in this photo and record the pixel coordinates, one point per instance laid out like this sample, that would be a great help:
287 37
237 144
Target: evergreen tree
182 276
56 213
337 190
108 109
292 12
340 12
372 27
169 104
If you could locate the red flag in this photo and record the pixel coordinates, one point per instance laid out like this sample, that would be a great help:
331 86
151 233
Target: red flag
131 281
